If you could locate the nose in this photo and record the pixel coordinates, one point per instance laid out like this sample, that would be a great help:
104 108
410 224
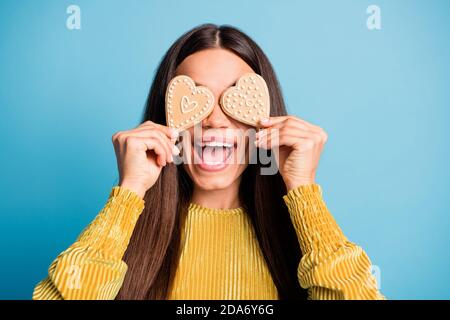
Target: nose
216 119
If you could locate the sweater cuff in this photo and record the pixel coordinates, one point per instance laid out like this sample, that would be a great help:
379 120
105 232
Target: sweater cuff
315 226
111 230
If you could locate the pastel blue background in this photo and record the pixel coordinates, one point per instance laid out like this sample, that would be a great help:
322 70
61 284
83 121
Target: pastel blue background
382 96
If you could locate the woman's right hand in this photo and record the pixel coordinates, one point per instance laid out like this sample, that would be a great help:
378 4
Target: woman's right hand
142 153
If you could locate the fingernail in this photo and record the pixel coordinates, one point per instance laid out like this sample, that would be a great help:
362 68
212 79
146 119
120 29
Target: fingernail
174 133
175 150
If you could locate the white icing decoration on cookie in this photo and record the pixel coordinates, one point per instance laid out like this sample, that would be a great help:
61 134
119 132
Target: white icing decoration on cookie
186 105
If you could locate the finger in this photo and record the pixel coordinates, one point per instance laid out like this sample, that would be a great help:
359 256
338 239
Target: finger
151 144
172 149
292 126
170 132
270 121
302 144
155 146
318 137
287 130
167 144
282 126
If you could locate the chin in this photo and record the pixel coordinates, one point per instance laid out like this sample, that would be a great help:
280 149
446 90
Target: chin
214 180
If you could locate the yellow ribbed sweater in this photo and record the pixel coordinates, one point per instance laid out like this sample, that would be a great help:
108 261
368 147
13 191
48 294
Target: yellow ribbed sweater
220 255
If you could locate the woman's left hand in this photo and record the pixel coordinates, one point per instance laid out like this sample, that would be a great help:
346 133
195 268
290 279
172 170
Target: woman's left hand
300 145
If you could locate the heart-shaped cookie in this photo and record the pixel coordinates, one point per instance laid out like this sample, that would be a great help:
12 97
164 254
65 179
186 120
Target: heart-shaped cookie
187 104
248 101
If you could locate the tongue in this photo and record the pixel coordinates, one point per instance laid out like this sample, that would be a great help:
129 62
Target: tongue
213 154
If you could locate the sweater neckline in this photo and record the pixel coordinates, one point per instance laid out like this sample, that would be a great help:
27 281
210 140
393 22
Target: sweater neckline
205 210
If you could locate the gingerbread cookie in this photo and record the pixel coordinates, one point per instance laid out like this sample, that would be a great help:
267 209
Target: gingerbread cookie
187 104
248 101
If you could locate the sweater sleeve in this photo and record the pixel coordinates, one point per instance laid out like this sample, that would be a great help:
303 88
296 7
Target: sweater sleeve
92 267
332 267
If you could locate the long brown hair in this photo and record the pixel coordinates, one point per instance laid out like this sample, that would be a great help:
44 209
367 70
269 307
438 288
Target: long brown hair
153 252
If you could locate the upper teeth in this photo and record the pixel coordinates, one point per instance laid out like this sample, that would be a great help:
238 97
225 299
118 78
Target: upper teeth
216 144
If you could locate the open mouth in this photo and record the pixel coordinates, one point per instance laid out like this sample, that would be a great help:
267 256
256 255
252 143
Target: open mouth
213 155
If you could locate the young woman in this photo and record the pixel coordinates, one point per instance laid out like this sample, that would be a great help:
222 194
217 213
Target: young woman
213 230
